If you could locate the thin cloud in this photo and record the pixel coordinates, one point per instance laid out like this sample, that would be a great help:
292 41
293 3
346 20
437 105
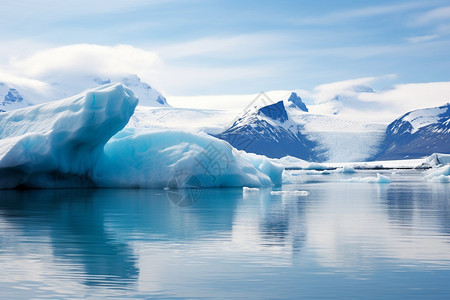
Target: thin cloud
421 39
238 46
365 12
434 16
87 59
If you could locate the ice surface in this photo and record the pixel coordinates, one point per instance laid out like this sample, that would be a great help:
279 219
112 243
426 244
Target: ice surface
441 174
56 144
379 179
437 159
345 170
340 140
317 172
79 142
291 193
316 166
158 118
178 159
247 189
440 178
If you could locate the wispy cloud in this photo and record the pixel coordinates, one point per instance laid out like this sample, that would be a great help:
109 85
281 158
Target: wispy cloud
433 16
423 38
236 46
69 63
372 11
85 59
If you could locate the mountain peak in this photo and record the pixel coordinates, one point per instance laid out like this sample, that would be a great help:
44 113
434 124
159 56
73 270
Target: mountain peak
275 111
297 102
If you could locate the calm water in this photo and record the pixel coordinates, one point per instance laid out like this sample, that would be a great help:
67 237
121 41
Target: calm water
343 240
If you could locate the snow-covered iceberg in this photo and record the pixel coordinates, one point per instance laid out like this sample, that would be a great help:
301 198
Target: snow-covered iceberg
441 174
379 179
438 159
174 159
79 142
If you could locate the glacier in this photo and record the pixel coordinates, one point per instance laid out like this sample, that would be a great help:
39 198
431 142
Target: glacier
82 141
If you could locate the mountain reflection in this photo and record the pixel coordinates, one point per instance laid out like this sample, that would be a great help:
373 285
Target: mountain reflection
282 221
428 201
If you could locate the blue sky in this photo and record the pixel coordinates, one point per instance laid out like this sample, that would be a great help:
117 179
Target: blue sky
230 47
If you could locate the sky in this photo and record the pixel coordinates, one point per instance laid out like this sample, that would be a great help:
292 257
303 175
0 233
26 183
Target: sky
199 47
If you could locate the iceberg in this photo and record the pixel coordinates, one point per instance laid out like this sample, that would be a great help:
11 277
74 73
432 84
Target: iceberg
290 193
441 174
136 158
345 170
247 189
438 159
379 179
81 142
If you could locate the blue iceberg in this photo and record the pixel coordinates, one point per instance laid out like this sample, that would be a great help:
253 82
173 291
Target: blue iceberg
81 142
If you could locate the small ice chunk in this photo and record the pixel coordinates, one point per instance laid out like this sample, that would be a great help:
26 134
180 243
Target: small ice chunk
316 166
382 179
440 178
437 159
318 173
346 170
439 175
247 189
291 193
379 179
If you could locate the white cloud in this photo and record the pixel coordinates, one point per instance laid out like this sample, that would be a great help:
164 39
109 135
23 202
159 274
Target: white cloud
365 12
68 63
422 38
237 102
246 45
378 106
435 15
354 102
88 59
75 62
412 95
328 91
23 82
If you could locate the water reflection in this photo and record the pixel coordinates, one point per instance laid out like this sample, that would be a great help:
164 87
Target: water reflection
227 243
423 202
74 222
282 220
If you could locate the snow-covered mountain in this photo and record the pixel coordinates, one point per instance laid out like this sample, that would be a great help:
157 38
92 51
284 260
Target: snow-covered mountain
295 101
10 98
285 128
268 131
417 134
14 96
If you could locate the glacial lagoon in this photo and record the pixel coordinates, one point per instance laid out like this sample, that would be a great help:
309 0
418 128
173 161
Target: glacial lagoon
340 240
